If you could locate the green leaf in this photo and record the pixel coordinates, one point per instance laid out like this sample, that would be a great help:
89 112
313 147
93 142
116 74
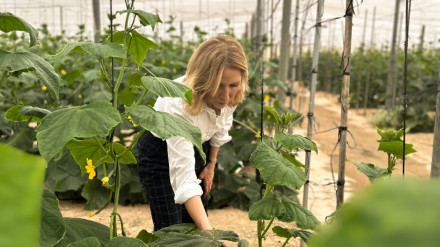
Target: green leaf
289 233
63 174
21 180
95 194
274 113
243 243
389 212
139 46
36 112
165 125
174 239
52 223
285 210
91 149
145 17
371 171
184 228
390 135
77 229
127 96
275 169
62 125
216 235
10 22
396 148
167 88
98 50
134 80
292 142
87 242
293 160
27 61
147 237
126 242
13 114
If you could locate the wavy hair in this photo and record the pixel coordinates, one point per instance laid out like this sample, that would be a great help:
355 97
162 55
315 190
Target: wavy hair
205 70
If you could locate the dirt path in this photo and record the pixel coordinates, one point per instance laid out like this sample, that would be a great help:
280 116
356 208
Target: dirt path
321 199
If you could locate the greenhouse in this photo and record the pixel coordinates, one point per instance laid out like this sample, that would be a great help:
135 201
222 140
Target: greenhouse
220 123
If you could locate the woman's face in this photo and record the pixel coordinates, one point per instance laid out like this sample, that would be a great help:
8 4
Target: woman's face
229 86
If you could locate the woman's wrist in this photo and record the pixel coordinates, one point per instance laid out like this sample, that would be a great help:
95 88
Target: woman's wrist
212 161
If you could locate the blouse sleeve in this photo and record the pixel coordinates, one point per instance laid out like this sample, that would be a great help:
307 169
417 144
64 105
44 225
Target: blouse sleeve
222 136
182 165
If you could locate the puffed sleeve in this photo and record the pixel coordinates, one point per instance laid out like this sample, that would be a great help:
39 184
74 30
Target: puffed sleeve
222 136
182 166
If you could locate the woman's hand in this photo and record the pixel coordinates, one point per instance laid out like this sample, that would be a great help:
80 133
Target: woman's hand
207 175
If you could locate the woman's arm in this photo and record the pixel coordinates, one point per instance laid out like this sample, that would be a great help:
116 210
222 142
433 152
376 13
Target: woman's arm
195 208
207 175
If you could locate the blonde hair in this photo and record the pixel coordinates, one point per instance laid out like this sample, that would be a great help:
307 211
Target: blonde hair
206 66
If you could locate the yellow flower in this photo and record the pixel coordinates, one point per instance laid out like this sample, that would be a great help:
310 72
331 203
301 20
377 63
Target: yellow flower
69 105
90 169
63 72
129 118
163 62
91 214
104 180
258 134
44 88
266 98
174 70
80 96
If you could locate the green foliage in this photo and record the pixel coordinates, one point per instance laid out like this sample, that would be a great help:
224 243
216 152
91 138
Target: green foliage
52 227
391 212
10 22
21 188
392 144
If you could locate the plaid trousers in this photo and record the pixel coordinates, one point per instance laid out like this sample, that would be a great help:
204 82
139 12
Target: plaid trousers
153 171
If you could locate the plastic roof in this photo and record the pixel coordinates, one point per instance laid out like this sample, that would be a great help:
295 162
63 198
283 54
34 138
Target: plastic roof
210 16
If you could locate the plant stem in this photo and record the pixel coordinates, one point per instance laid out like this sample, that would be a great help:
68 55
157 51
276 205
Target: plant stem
3 77
113 223
18 136
267 228
285 242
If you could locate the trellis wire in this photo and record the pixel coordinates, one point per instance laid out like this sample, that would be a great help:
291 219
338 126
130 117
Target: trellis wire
405 79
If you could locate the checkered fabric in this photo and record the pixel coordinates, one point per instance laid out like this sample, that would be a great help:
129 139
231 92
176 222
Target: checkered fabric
153 170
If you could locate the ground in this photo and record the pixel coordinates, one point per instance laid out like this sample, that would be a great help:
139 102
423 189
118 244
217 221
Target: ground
321 198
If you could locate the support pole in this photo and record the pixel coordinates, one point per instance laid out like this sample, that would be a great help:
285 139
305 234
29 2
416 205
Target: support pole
435 165
284 48
315 60
345 102
389 100
295 48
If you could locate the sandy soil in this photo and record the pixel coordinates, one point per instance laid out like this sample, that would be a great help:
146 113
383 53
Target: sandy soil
321 198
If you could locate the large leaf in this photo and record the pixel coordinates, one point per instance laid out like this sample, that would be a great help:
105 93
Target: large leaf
21 180
10 22
289 233
165 125
13 114
147 237
167 88
95 194
87 242
390 212
98 50
370 170
285 210
139 45
275 169
63 174
52 223
77 229
292 142
126 242
27 61
145 17
185 228
36 112
396 148
174 239
62 125
218 235
91 149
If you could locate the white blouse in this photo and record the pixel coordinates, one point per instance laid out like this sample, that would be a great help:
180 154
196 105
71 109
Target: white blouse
181 151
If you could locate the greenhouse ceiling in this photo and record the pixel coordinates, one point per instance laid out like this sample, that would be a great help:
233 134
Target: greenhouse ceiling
210 16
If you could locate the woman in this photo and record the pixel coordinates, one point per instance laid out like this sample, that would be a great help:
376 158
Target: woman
172 172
